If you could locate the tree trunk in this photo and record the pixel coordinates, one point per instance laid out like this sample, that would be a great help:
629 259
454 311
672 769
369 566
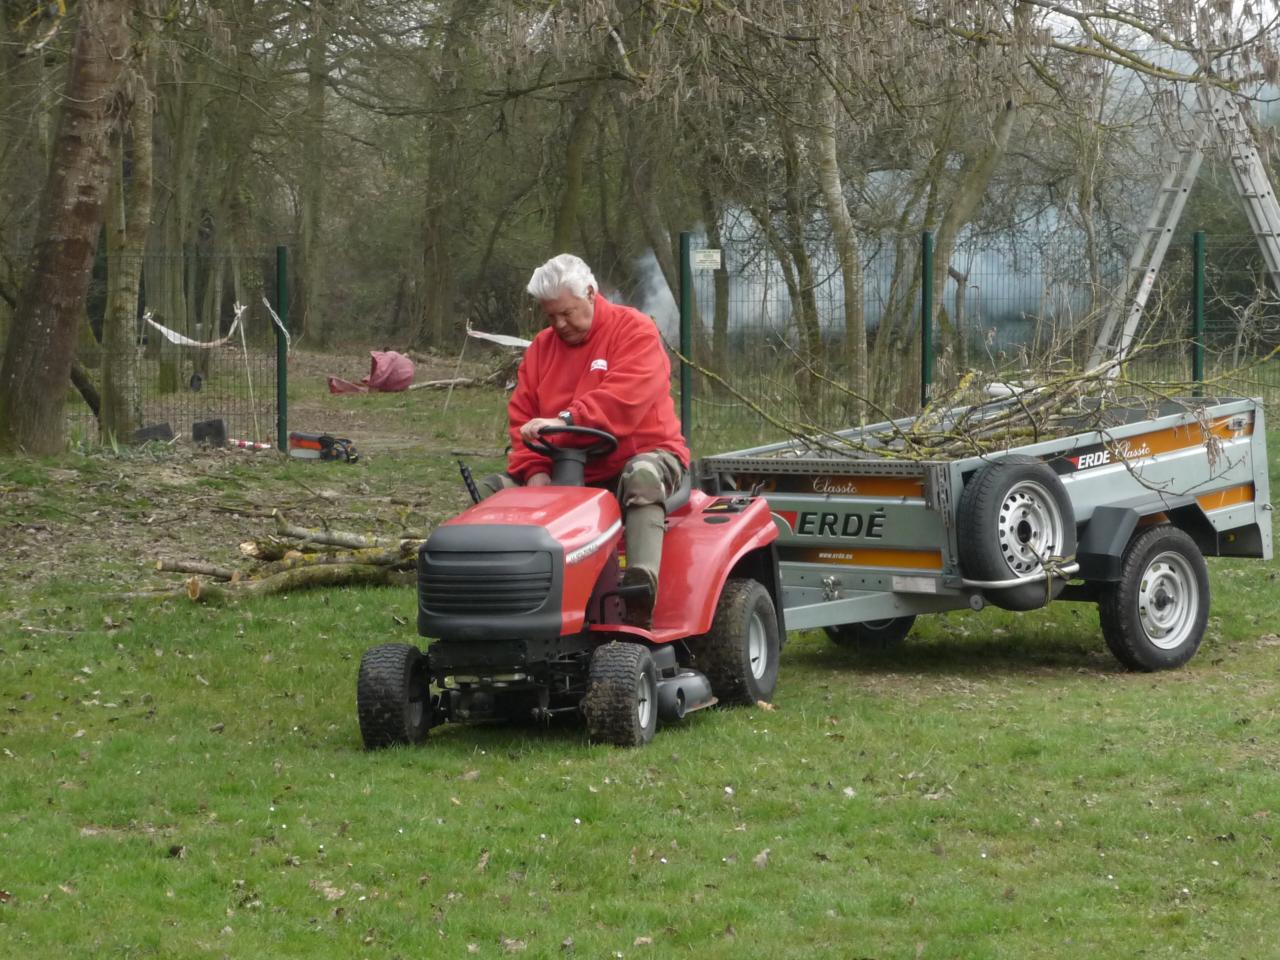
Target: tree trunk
720 318
438 277
580 131
39 348
782 253
22 155
169 286
845 241
446 188
127 239
968 193
310 308
611 260
639 170
805 310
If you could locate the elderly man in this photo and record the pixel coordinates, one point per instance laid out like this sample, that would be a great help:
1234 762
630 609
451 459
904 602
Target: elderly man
598 364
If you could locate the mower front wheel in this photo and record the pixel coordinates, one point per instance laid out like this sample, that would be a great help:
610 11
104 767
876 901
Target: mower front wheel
739 654
621 705
393 696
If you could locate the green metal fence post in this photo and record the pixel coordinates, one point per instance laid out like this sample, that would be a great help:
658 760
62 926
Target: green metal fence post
1197 311
686 336
282 350
926 318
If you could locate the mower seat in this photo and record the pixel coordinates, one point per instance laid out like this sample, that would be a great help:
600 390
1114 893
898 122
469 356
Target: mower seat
680 495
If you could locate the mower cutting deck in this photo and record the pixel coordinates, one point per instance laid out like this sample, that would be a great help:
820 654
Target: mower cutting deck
521 597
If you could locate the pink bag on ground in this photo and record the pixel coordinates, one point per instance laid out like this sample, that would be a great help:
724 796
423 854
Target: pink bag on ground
389 372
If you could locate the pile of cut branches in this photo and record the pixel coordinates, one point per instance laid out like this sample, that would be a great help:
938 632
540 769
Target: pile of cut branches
297 558
987 413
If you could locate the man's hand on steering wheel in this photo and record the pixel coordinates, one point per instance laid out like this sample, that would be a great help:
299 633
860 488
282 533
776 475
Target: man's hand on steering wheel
605 443
529 429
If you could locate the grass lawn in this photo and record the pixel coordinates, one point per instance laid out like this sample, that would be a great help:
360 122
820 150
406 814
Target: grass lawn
187 781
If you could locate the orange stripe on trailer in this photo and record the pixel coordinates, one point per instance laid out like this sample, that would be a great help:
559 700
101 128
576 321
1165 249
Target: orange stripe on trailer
835 485
1230 497
867 557
1179 438
870 486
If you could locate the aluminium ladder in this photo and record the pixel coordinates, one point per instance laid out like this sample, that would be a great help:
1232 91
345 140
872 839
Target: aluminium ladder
1218 113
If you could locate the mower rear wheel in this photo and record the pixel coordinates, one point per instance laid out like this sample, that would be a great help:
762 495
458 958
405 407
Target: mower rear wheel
739 654
393 696
621 705
871 634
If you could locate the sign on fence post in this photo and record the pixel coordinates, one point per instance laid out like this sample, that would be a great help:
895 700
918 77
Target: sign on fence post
707 259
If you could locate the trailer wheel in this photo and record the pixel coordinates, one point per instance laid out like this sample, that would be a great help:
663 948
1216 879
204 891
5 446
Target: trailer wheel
871 634
1154 617
621 705
393 696
739 654
1012 515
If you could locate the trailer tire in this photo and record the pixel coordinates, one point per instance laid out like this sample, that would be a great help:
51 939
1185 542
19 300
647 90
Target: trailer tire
393 696
1154 617
1012 513
871 634
621 705
739 654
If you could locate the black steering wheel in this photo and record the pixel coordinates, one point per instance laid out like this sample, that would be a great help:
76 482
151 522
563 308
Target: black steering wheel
607 441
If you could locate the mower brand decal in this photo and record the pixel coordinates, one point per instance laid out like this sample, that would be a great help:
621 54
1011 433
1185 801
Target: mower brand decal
588 549
599 364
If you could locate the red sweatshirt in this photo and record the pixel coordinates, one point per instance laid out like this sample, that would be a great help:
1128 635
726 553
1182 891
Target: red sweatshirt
618 379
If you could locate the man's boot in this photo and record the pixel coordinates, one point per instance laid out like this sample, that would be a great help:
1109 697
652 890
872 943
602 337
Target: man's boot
645 528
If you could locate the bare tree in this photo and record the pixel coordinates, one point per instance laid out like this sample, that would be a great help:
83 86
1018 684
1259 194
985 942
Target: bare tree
39 349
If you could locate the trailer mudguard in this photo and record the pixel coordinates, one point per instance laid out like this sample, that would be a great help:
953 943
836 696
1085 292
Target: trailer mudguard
1100 552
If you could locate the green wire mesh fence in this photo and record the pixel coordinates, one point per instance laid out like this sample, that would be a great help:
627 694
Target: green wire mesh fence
198 359
776 335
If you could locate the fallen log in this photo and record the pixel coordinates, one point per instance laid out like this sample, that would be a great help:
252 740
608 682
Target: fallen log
329 575
442 384
333 538
297 558
197 566
401 557
267 548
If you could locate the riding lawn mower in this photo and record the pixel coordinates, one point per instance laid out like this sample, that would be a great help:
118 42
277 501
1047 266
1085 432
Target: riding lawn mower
522 601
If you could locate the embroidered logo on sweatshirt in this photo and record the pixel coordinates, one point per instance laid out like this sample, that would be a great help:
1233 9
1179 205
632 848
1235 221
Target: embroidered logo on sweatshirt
600 364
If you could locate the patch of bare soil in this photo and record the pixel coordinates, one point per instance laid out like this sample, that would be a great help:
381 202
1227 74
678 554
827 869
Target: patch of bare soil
379 427
100 521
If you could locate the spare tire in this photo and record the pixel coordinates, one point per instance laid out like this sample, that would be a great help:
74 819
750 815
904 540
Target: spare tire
1013 515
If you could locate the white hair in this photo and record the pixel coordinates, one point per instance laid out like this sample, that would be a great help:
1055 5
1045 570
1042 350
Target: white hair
561 273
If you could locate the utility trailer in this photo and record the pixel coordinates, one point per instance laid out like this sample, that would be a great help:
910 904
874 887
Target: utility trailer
1121 514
